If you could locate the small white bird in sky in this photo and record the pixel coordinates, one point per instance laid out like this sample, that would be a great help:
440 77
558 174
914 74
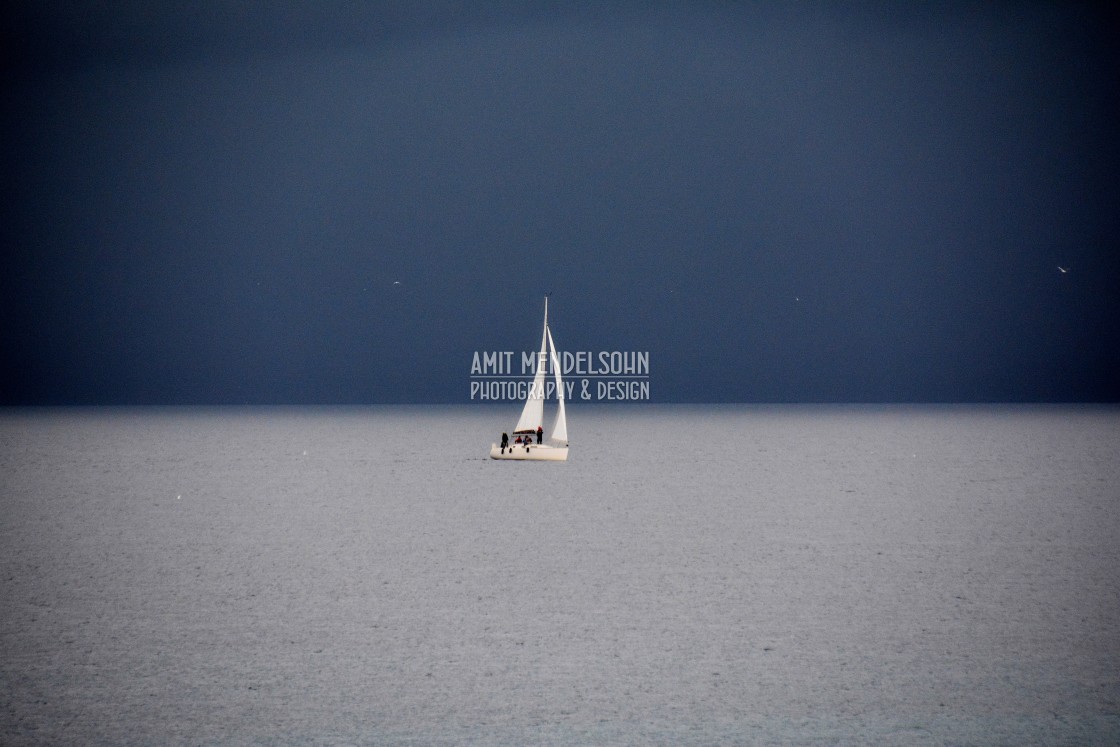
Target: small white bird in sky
396 282
1064 270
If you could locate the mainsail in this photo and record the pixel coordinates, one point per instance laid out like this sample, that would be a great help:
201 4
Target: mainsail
532 416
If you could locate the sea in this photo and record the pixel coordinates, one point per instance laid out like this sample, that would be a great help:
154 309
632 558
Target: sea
733 574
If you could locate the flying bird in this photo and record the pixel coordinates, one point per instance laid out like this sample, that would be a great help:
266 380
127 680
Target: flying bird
1063 269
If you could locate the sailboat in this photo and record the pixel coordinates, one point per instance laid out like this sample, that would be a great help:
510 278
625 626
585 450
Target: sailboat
554 448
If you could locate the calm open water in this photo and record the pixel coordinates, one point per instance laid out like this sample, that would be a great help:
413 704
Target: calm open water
907 575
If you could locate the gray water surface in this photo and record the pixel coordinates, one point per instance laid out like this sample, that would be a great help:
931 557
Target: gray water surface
692 575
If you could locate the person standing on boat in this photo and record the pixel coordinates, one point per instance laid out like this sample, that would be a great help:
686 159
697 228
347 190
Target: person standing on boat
540 434
505 442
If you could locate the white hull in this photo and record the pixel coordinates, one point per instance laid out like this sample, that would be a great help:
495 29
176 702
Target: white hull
532 452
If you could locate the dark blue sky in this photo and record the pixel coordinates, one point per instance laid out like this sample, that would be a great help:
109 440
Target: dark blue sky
211 202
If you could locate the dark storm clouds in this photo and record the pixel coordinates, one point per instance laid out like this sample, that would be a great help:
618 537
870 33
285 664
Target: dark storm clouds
212 203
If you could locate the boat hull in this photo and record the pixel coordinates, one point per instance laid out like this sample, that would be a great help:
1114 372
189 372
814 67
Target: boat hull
532 453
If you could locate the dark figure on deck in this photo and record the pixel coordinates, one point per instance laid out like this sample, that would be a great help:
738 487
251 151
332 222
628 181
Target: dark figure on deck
540 434
505 442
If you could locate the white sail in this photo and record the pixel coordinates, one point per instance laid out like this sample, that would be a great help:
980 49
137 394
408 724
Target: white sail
532 416
560 428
